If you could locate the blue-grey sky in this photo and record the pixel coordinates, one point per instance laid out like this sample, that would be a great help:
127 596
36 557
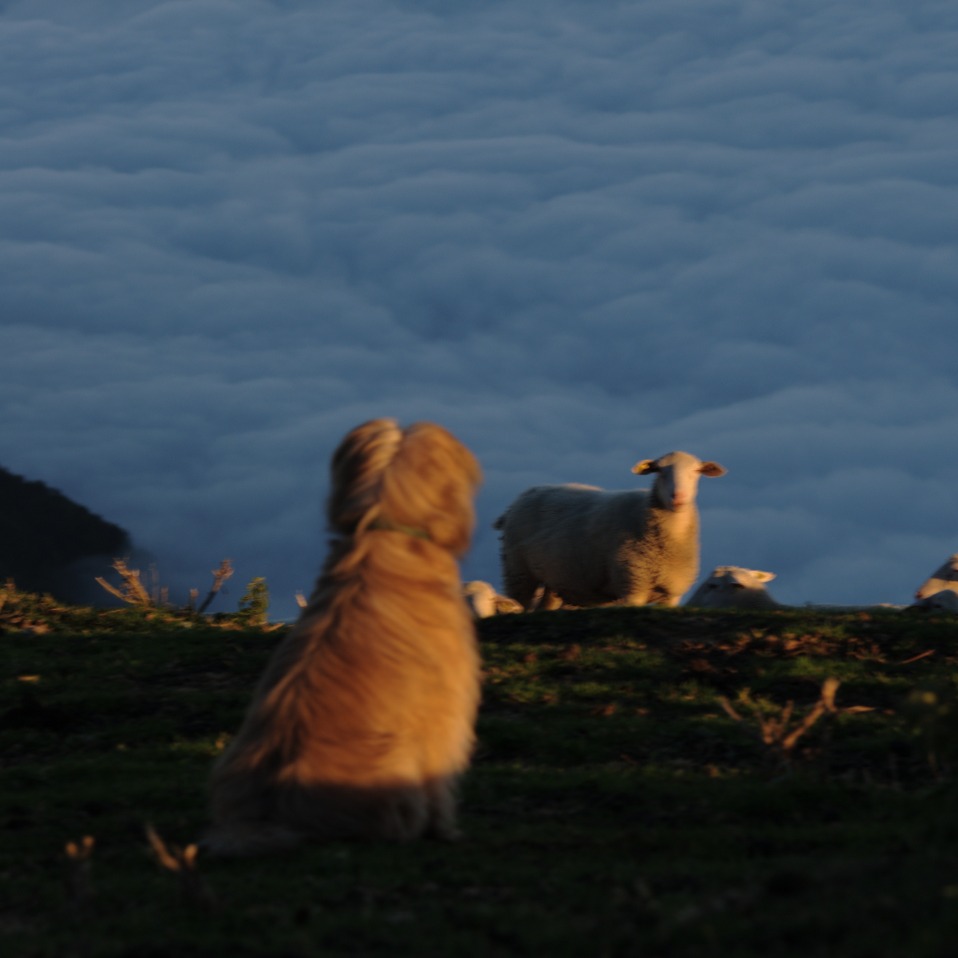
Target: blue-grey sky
577 234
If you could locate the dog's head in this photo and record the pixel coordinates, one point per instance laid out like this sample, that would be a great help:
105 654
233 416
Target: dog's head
421 479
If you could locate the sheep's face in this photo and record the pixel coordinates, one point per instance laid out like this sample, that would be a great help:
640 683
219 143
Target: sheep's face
477 588
481 598
677 478
943 578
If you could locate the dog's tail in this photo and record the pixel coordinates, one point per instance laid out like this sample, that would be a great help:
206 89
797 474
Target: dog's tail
236 839
501 521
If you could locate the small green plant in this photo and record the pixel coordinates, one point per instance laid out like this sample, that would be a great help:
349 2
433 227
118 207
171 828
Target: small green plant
254 604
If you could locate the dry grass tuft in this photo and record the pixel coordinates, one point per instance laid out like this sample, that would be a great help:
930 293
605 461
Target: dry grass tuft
777 732
79 882
181 862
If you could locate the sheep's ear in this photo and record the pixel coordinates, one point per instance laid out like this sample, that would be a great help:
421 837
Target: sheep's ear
763 576
645 466
712 469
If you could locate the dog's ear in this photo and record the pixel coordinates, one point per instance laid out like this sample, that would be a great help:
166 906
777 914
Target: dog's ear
431 485
356 473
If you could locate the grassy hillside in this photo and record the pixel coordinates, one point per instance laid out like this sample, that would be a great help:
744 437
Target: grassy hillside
640 788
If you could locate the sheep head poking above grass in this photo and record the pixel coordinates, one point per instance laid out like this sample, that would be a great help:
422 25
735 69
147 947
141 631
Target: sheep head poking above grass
732 587
484 601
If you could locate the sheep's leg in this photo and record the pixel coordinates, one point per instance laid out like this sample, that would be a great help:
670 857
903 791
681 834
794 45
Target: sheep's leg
519 584
545 599
664 597
638 598
628 590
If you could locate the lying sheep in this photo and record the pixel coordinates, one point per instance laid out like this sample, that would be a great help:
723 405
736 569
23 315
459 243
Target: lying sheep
484 601
944 578
732 587
945 600
586 546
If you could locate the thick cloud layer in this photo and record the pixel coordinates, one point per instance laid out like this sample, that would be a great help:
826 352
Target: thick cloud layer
577 234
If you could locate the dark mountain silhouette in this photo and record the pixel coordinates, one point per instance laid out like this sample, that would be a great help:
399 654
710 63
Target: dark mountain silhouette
47 538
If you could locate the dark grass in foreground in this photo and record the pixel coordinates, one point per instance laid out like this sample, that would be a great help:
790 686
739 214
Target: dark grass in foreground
617 806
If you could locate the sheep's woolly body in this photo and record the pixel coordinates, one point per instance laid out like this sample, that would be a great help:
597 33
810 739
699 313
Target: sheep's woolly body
589 546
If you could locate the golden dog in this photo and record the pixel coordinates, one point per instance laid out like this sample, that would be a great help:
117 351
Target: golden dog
365 716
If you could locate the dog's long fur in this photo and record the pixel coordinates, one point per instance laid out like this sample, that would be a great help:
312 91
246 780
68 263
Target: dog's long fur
365 716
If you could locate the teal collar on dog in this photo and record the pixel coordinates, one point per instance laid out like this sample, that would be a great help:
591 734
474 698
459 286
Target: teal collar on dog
398 527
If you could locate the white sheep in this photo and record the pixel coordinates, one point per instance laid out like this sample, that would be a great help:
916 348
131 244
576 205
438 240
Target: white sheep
484 601
732 587
945 600
944 578
588 546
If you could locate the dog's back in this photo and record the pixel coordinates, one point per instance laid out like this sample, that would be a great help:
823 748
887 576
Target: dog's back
364 718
